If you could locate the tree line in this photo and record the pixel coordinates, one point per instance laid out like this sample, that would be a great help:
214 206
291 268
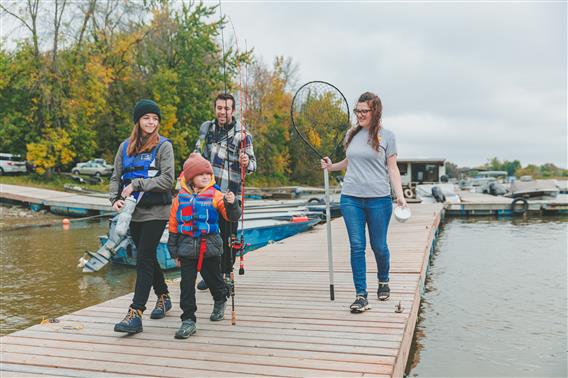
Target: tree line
68 87
513 168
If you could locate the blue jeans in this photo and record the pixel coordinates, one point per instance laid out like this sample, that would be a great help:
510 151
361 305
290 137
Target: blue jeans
376 213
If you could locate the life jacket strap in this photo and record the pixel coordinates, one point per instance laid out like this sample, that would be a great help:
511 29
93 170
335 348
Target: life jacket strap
202 250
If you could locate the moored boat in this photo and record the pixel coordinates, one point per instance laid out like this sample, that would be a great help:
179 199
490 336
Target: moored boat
257 234
535 189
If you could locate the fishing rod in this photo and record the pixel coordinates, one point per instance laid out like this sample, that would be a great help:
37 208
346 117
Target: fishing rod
232 238
223 47
243 103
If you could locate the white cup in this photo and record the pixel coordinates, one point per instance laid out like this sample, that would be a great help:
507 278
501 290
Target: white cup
402 214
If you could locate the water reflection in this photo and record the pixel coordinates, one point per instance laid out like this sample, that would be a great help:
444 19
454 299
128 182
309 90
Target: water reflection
40 277
495 300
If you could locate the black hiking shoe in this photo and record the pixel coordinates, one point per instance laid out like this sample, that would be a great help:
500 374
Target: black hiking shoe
163 305
360 305
383 293
187 328
218 311
132 322
202 285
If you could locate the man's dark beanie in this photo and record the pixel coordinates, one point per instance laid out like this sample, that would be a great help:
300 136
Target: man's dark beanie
144 107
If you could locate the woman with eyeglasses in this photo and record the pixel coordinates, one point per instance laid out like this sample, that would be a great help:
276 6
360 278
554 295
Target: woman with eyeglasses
366 194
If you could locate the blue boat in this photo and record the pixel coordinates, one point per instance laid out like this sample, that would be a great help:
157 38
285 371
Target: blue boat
257 234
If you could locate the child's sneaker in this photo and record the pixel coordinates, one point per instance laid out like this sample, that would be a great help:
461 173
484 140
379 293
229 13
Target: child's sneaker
360 305
187 328
163 305
132 322
218 311
383 293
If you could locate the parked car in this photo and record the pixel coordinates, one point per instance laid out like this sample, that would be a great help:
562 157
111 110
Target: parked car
101 161
10 163
94 169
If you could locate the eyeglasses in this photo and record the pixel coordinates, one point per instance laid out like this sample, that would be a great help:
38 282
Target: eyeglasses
362 112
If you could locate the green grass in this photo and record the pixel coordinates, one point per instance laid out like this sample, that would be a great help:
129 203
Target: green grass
55 182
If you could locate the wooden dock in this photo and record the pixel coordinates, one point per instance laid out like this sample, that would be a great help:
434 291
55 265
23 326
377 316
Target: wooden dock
57 201
286 324
485 204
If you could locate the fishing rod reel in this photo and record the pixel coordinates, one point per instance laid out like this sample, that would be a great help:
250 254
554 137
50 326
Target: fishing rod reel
238 249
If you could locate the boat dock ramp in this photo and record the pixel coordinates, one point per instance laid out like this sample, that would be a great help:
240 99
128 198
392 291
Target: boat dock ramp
286 324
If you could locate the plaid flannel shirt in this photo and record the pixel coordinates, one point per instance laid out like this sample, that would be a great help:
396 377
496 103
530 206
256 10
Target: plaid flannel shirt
222 146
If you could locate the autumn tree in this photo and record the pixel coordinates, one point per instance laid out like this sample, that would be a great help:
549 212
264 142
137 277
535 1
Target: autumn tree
70 86
268 117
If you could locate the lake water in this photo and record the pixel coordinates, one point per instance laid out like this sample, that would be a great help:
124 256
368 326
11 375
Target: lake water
495 300
40 278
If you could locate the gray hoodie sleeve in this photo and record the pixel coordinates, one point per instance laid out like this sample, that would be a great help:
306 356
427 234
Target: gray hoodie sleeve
114 181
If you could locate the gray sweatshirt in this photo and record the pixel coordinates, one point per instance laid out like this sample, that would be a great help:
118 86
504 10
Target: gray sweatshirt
161 183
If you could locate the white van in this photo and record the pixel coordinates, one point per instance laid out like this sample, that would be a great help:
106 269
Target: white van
12 164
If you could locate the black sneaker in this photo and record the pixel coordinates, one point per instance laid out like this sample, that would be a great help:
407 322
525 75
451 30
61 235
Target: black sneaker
360 305
383 293
163 305
132 322
218 311
187 328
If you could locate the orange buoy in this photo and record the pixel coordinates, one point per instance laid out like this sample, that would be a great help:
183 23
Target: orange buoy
299 219
66 221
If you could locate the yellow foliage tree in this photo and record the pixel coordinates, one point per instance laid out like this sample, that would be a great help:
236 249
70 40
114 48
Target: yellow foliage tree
51 150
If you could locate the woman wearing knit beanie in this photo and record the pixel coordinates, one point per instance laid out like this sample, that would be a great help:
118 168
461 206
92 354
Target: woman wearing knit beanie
144 172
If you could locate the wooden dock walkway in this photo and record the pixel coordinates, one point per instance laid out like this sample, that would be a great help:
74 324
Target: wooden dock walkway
286 324
54 198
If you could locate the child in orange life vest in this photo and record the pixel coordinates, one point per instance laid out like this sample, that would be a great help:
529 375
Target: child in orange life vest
194 239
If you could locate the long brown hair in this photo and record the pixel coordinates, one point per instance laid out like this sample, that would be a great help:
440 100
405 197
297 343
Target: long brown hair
376 106
138 143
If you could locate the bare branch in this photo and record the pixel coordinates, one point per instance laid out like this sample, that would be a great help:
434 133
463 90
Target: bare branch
58 15
19 18
88 14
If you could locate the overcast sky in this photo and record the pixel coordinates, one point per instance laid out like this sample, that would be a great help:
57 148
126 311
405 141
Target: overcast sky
464 81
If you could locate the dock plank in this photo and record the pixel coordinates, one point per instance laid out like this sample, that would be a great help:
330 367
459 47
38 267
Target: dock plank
286 324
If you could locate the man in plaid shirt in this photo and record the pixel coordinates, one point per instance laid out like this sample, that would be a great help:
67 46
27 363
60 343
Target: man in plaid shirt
228 149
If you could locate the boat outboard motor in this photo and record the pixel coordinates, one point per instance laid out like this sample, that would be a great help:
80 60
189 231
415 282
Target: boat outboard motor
497 189
438 194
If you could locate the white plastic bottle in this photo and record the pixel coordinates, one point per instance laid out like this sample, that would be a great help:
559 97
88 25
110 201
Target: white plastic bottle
124 217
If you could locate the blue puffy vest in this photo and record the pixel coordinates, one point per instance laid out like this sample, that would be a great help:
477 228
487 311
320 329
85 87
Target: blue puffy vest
143 165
